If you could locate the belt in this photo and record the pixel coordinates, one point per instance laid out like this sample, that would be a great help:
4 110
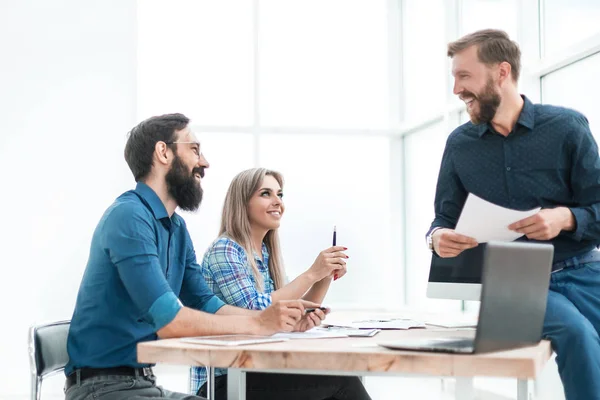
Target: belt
590 256
87 373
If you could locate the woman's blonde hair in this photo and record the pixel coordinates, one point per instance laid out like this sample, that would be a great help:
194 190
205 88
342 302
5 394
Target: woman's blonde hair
235 222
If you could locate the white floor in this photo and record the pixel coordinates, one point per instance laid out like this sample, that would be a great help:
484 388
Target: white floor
380 388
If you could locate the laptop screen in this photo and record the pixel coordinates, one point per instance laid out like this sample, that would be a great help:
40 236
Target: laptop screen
464 268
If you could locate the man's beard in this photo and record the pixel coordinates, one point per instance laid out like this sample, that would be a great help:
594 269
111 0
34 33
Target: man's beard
488 100
184 187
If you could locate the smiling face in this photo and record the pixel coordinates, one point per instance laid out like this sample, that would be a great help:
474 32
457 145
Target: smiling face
474 84
265 207
187 170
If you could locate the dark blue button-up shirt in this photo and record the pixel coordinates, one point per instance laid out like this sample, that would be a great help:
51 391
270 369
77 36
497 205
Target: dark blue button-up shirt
550 159
141 269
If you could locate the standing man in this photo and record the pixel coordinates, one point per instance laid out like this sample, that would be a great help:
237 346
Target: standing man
142 281
521 155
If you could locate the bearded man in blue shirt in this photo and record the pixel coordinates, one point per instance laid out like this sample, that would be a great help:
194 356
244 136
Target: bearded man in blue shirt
521 155
142 281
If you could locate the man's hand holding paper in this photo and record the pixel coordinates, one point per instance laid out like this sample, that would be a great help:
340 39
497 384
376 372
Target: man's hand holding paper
448 243
546 224
482 221
485 221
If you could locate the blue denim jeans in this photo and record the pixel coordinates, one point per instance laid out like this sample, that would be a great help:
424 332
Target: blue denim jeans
115 387
572 324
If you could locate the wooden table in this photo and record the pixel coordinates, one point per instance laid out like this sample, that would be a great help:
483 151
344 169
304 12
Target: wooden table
354 356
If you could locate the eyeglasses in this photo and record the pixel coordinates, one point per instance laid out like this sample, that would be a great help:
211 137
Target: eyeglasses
196 149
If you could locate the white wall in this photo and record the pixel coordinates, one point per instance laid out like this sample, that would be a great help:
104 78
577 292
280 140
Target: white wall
67 100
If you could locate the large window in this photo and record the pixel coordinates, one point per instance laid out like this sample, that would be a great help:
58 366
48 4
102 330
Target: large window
489 14
423 155
227 153
328 92
424 59
342 182
566 22
299 87
323 63
425 91
196 57
576 86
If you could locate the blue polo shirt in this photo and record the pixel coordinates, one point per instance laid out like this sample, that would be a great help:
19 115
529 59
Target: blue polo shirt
549 159
142 268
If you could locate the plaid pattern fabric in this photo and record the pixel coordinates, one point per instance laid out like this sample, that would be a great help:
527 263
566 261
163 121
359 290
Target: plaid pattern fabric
228 274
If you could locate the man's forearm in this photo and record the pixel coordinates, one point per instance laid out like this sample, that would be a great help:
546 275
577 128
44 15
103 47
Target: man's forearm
231 310
190 322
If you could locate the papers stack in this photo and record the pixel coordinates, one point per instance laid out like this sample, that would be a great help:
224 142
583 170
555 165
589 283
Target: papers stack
314 333
381 323
352 332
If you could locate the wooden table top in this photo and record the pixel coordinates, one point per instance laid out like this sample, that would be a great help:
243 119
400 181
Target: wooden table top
353 355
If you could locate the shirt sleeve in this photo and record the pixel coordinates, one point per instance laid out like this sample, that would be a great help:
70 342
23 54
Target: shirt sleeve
450 195
130 241
227 262
585 182
195 293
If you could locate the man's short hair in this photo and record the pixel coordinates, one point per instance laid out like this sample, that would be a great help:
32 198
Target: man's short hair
493 47
143 137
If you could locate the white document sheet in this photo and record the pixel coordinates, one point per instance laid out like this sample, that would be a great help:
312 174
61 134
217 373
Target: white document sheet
314 333
485 221
382 323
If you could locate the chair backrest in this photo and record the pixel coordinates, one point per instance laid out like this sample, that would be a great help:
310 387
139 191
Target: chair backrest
48 348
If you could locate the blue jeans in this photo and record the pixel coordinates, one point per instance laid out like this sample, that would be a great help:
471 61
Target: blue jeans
572 324
115 387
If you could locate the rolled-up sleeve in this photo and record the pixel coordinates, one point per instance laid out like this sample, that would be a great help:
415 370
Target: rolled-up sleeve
130 242
226 262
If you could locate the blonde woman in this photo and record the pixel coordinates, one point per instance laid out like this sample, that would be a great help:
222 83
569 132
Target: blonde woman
244 267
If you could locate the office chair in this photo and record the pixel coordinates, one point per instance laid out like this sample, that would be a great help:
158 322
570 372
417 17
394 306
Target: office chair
47 353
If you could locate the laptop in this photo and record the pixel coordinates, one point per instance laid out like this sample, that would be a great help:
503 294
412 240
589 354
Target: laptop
515 282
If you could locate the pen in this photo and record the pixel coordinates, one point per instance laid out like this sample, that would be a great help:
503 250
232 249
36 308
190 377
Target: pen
309 310
335 276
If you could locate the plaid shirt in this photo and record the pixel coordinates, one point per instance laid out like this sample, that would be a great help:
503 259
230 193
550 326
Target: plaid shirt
228 274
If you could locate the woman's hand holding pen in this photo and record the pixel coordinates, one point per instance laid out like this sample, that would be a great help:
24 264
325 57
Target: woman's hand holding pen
329 262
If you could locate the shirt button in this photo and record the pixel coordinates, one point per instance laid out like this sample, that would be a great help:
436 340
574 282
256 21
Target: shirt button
508 168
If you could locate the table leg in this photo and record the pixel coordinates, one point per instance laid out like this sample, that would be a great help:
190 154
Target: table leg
236 384
189 381
525 391
210 383
464 388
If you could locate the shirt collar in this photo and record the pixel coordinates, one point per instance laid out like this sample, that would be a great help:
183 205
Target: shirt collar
527 114
526 118
154 202
482 128
265 255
